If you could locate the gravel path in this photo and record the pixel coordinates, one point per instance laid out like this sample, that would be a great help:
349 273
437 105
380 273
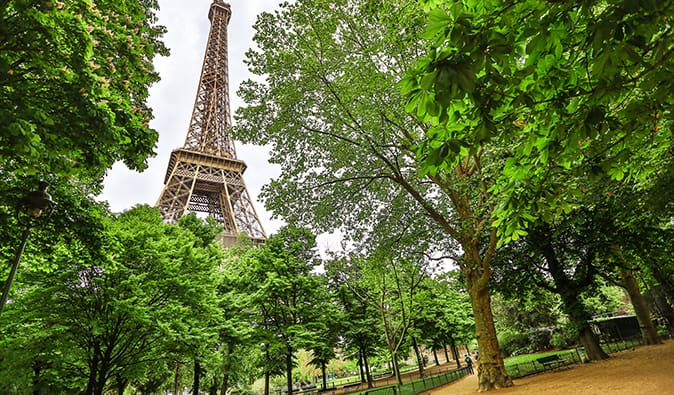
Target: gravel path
646 370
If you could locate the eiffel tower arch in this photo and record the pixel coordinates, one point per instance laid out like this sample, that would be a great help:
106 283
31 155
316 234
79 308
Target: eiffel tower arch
205 175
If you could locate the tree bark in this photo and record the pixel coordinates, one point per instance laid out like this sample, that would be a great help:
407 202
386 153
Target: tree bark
648 331
360 366
491 371
176 379
435 357
366 362
455 352
590 343
323 375
197 375
396 368
420 359
225 381
289 370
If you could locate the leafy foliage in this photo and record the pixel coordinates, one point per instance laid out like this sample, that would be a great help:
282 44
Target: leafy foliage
578 89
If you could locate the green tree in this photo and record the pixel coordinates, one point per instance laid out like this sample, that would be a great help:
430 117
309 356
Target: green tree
75 78
286 294
118 318
389 285
331 108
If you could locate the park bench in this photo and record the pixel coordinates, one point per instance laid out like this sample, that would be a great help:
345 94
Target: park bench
349 386
551 361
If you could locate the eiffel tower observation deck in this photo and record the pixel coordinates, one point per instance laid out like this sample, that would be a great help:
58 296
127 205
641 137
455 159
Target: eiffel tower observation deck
205 175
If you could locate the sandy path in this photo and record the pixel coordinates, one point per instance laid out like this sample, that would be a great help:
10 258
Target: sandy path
646 370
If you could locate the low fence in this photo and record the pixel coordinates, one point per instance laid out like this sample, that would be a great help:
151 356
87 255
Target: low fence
420 385
569 357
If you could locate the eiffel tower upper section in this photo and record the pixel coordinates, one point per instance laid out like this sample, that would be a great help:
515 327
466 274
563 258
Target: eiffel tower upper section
205 175
211 115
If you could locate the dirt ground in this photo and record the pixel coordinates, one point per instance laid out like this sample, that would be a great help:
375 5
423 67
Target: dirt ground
644 370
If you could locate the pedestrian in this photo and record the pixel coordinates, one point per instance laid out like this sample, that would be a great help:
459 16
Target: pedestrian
469 363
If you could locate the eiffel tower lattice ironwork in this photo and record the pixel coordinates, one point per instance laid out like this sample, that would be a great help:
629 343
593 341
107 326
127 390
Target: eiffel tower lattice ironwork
205 175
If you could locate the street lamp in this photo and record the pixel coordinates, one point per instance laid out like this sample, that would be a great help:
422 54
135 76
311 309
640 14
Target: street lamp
28 214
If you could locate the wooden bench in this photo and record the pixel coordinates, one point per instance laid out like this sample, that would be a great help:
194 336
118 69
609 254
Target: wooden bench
349 386
551 361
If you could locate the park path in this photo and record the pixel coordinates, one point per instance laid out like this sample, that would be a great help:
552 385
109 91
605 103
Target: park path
645 370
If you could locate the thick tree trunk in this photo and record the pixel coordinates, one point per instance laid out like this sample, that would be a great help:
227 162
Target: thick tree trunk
491 371
197 376
656 297
590 342
648 331
666 281
420 359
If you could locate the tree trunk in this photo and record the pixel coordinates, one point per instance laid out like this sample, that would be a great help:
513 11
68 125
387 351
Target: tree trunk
37 369
491 371
664 308
648 331
366 362
176 379
666 281
435 356
590 342
225 381
420 359
289 371
266 383
121 384
323 375
396 368
197 375
93 369
455 352
360 366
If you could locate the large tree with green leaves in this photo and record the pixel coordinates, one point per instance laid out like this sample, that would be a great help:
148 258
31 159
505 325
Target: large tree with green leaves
75 78
118 318
332 110
286 294
577 90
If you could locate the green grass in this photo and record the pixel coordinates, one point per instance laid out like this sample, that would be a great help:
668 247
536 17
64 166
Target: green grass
524 358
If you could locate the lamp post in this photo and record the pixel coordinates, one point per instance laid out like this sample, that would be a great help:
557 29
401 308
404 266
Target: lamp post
32 207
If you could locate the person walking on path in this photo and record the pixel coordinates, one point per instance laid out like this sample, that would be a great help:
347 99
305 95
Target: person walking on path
469 363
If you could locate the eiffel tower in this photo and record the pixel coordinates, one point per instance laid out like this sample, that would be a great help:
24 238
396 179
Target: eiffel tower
205 175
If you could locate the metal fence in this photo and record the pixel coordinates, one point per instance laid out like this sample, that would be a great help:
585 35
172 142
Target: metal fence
420 385
569 357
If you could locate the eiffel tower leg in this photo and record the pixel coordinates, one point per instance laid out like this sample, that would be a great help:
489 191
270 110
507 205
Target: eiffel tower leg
177 192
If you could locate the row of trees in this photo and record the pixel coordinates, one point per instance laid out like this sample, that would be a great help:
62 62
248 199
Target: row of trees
528 141
163 306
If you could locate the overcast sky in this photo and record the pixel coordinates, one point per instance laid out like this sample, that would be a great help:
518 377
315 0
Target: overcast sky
172 100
